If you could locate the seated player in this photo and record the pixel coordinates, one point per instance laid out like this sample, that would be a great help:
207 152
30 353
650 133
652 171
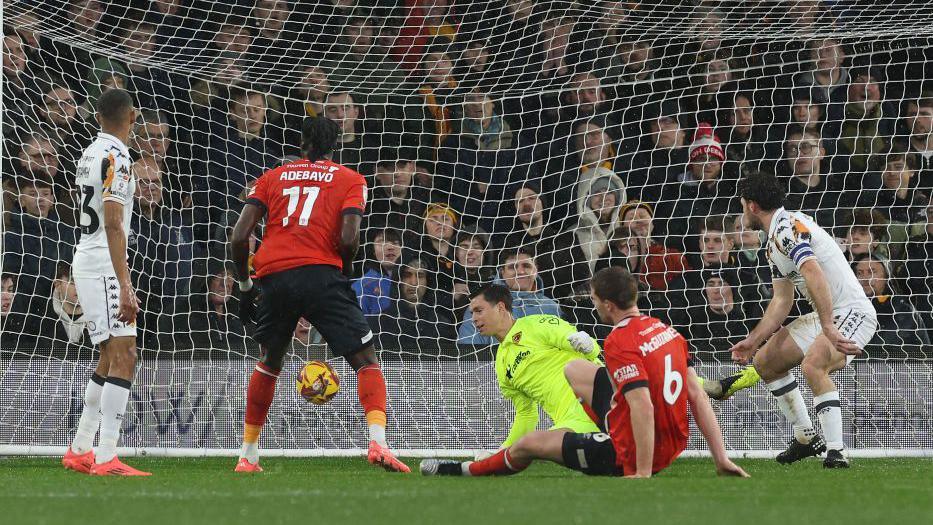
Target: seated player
641 405
530 360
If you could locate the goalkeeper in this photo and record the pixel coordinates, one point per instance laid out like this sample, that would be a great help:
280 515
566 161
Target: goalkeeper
530 360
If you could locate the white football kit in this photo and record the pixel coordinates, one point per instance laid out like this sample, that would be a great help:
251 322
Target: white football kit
793 239
103 174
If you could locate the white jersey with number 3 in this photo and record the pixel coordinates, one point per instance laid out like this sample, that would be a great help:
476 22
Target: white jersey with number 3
793 239
103 174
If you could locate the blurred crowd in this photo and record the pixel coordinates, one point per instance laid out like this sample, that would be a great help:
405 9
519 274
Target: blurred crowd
521 141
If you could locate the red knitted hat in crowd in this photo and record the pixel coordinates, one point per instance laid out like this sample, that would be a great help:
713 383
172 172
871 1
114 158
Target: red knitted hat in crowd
706 142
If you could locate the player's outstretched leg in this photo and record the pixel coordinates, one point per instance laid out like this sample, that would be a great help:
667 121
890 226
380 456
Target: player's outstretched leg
259 395
371 389
722 389
80 454
819 363
502 463
114 396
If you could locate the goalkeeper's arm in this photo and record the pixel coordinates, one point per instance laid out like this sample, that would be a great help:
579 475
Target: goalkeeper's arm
526 417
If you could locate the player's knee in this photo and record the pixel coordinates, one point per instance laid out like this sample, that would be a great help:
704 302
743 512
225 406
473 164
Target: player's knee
813 369
761 364
364 357
272 358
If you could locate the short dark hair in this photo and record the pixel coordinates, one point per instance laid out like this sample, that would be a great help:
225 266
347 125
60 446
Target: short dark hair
716 223
616 285
495 293
763 189
505 255
318 137
113 104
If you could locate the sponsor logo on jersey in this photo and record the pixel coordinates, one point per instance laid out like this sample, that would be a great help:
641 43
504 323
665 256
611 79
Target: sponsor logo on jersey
518 360
625 372
658 340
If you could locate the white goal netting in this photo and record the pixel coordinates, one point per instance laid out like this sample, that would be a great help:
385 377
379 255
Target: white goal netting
532 142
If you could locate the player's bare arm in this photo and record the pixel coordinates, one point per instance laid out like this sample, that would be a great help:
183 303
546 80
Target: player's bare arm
349 242
823 303
777 311
642 413
706 421
116 242
239 252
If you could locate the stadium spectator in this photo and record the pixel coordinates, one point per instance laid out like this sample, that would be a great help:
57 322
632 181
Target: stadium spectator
918 121
60 122
519 273
66 306
394 202
152 87
700 191
661 155
34 242
162 252
898 198
437 250
560 261
16 83
152 138
7 294
865 233
428 23
213 323
106 73
917 270
582 98
632 69
357 149
474 67
239 149
598 204
231 33
274 36
862 126
477 160
750 255
744 140
413 323
713 77
827 74
304 99
811 188
82 22
593 155
471 265
900 327
806 110
380 271
718 319
550 65
361 65
428 115
634 247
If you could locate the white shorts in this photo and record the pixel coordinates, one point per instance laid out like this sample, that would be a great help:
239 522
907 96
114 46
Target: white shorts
857 325
100 301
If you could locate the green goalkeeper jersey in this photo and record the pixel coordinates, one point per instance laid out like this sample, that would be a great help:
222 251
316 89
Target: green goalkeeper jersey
530 368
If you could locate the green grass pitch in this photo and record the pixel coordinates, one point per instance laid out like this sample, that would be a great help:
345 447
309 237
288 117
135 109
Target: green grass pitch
333 491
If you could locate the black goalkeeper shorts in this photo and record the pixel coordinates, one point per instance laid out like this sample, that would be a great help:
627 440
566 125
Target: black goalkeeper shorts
592 453
322 295
602 397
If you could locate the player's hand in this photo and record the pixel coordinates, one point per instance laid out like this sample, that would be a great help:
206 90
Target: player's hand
247 304
728 468
129 305
581 342
743 350
840 343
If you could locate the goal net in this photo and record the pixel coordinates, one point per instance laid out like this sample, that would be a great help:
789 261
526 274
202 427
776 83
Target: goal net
529 142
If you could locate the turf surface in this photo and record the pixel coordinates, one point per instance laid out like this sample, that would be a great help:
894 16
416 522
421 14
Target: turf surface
338 491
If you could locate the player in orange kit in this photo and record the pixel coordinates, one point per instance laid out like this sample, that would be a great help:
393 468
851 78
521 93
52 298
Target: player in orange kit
313 209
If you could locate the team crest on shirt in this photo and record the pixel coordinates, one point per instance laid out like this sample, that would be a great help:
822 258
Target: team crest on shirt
517 337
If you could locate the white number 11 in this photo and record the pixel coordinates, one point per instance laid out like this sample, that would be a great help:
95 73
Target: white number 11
293 194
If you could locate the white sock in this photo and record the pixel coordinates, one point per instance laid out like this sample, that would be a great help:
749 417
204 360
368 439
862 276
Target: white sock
828 410
377 433
790 401
90 416
465 468
250 451
113 400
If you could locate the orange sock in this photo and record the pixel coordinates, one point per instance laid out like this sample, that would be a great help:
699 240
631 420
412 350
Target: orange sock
371 388
259 396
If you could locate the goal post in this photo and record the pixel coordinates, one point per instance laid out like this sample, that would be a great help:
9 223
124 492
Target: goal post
567 135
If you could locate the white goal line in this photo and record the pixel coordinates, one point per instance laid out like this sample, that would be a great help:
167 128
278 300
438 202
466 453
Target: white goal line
44 450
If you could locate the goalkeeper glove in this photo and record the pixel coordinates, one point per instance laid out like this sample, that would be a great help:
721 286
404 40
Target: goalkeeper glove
248 297
581 342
